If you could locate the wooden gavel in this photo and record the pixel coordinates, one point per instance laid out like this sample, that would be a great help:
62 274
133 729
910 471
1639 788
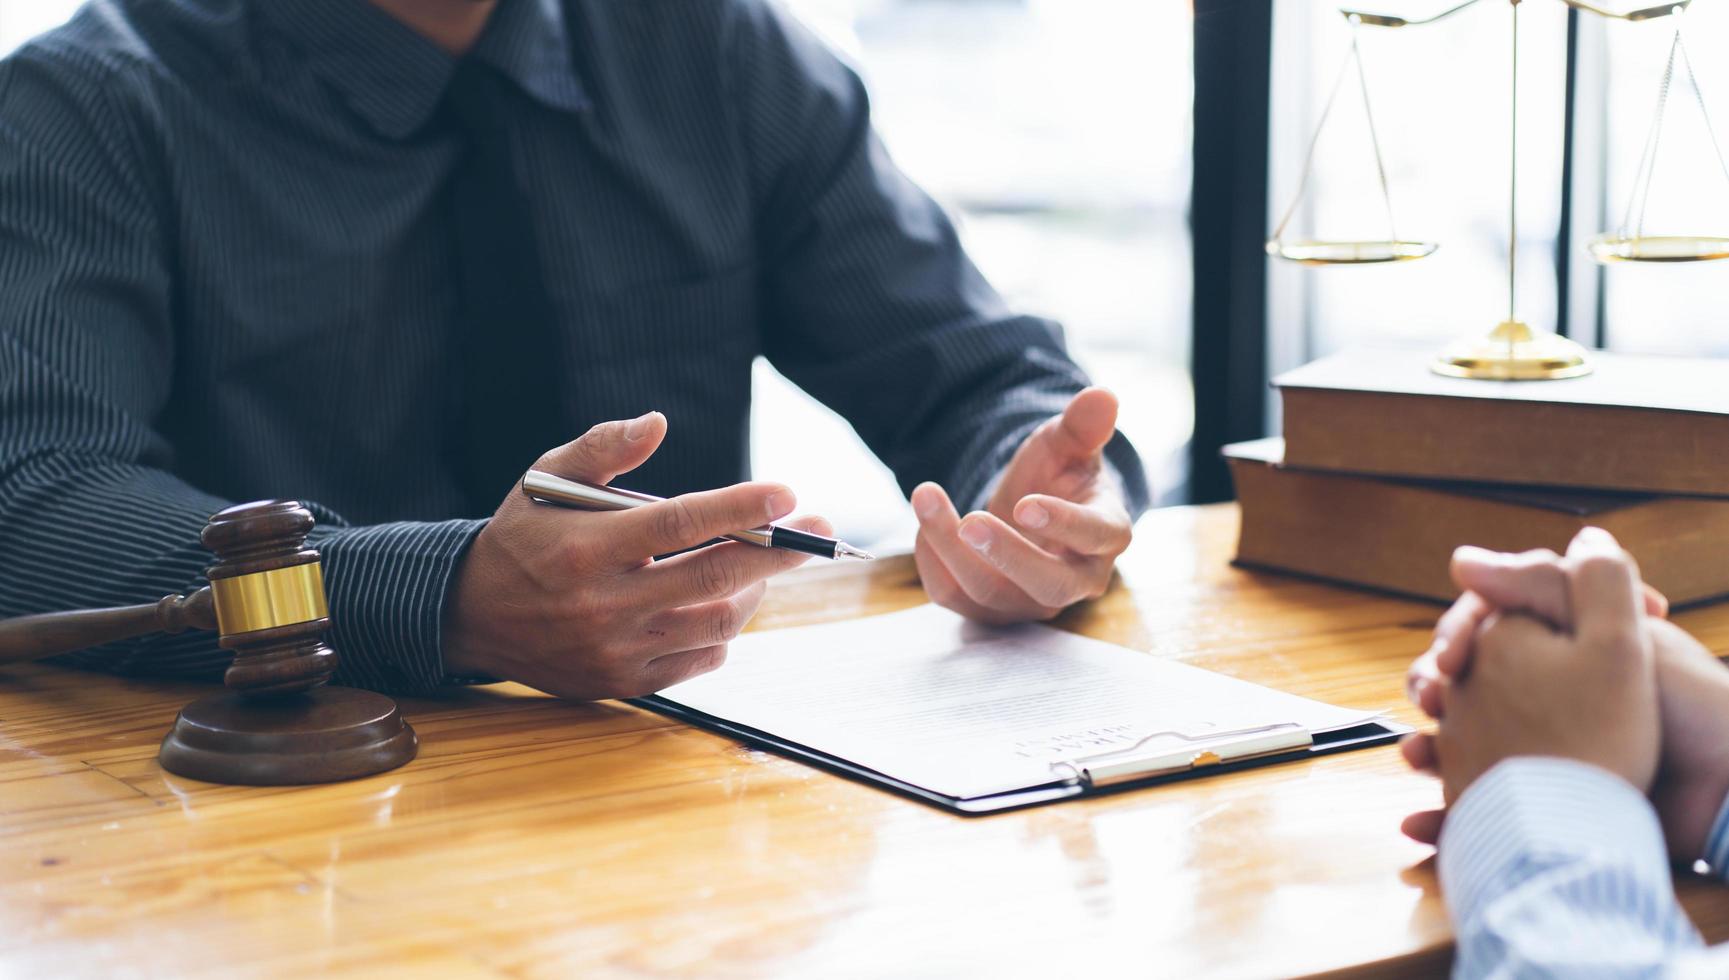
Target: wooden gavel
280 722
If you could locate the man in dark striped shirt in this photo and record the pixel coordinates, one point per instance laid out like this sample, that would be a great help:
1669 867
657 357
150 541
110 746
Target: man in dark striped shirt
377 255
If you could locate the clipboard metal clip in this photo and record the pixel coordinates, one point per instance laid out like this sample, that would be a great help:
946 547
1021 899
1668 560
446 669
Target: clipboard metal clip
1193 752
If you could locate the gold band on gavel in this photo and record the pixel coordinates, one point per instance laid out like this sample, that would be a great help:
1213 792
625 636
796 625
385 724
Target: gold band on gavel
265 600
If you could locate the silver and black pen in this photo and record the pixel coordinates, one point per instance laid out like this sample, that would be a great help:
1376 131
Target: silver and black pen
548 489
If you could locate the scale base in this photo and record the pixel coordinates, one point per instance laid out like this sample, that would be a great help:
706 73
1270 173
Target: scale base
1513 352
324 735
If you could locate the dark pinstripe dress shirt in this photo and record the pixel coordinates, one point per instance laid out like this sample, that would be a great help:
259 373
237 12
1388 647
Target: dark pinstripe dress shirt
226 273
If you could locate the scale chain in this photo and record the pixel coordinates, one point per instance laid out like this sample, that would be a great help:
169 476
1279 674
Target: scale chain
1374 137
1353 56
1699 96
1644 176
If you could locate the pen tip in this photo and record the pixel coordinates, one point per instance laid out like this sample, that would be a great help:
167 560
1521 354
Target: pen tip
844 550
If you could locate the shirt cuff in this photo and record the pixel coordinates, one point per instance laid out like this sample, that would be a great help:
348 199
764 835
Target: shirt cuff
387 585
1526 814
1121 459
1717 844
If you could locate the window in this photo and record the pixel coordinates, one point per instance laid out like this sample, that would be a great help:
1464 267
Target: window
1662 309
1056 133
1439 95
1440 99
21 20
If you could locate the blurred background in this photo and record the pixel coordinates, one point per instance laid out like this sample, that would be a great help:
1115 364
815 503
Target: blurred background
1115 165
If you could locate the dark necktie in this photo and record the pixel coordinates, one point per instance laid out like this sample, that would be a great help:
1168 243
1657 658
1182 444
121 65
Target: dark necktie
508 398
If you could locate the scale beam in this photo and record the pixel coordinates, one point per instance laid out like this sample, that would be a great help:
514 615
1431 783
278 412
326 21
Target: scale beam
1388 20
1647 13
1370 19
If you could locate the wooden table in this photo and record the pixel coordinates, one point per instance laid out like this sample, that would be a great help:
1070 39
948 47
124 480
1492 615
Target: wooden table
535 838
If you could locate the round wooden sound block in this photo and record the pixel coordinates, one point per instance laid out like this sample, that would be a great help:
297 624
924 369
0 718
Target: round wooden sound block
324 735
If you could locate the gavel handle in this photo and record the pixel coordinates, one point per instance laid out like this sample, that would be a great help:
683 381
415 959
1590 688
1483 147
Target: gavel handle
47 634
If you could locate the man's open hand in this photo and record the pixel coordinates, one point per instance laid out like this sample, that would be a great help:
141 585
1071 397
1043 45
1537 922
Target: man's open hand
572 603
1050 534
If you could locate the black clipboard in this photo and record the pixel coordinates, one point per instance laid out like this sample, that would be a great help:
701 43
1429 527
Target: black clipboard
1203 762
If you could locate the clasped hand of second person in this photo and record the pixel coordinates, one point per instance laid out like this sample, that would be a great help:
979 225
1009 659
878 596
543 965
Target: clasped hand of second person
576 604
1571 657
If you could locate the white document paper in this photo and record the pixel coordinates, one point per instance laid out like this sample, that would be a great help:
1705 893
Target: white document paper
966 710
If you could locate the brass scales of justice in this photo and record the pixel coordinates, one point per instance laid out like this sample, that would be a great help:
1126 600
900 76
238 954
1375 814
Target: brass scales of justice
1513 350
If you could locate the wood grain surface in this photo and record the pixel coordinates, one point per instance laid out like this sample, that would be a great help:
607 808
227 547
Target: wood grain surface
534 838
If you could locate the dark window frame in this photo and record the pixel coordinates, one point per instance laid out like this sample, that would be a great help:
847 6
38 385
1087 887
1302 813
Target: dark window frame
1233 56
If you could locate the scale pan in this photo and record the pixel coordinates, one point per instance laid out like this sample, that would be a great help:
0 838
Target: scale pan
1658 248
1349 253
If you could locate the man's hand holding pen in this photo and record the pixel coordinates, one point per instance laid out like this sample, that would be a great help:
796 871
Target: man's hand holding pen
573 603
1050 534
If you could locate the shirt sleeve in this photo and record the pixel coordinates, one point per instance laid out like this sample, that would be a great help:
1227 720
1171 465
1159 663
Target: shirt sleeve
1552 867
91 513
871 304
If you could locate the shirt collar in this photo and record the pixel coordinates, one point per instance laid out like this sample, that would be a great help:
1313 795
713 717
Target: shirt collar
395 78
527 40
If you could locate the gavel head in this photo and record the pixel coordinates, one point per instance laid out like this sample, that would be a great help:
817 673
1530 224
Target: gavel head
268 588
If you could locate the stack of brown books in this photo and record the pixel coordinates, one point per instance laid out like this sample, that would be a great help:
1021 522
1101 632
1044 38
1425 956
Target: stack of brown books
1385 468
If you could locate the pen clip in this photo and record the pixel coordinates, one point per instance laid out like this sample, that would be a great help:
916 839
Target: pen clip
1192 752
546 488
